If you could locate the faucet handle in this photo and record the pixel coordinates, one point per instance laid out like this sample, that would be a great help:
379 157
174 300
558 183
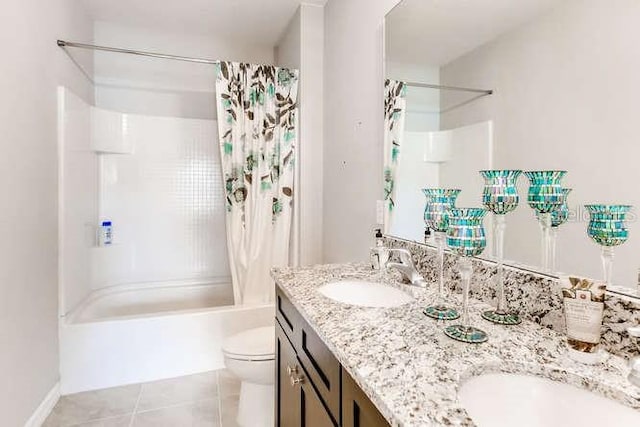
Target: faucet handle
405 255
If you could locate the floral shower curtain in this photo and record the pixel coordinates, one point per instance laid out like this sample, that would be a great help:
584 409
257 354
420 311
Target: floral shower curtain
394 113
258 124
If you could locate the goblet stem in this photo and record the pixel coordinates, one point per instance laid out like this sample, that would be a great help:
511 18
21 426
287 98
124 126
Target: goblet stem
466 269
607 264
440 238
440 310
554 239
545 222
499 226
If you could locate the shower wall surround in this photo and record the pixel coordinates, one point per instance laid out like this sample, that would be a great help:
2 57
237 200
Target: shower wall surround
429 159
166 202
157 179
534 296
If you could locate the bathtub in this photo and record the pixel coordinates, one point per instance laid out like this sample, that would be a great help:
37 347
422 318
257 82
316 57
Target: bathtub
136 333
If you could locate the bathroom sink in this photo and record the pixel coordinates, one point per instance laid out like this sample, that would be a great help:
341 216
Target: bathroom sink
365 294
496 400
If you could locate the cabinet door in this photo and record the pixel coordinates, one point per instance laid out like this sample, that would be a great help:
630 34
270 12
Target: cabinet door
357 409
321 366
288 397
314 413
297 402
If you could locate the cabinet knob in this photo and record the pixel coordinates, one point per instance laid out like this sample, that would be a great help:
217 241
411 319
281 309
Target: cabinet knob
296 380
292 370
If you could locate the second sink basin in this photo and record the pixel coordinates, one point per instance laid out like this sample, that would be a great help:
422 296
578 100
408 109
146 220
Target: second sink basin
497 400
365 294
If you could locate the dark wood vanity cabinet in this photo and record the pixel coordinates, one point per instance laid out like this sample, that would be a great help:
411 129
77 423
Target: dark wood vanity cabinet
357 409
312 388
287 414
297 402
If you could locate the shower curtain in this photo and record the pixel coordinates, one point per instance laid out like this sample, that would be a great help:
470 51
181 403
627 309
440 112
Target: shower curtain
395 106
258 125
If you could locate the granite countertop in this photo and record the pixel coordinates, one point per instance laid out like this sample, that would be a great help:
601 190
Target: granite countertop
407 366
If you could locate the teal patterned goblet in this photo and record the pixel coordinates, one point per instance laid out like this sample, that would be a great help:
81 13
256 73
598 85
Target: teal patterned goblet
558 217
545 196
500 196
436 216
561 214
466 237
439 203
607 228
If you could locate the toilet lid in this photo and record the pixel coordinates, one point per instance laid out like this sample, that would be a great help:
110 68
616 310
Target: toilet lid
252 344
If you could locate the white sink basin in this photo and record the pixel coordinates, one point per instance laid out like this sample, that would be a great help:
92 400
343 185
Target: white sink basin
365 294
496 400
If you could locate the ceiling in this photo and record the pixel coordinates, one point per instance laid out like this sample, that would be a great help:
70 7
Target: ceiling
242 20
434 32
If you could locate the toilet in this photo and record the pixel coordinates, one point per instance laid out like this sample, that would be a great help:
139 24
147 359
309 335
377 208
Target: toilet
250 355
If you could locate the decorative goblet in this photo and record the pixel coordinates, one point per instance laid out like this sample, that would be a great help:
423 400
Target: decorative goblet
545 196
558 217
500 196
436 217
607 228
466 237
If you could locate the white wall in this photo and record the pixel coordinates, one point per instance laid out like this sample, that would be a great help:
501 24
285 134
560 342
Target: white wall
32 68
78 199
412 174
166 202
468 150
566 98
288 50
134 84
353 125
301 46
471 151
423 104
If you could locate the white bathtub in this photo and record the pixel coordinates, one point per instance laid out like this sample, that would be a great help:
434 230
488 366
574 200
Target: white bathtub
135 333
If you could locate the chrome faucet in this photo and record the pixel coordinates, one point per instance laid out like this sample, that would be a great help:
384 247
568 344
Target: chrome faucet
406 267
634 375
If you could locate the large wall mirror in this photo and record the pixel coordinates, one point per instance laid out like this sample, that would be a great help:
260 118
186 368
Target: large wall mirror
527 84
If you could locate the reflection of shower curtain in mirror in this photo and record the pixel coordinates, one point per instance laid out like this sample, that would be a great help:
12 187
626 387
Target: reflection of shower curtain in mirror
394 114
258 124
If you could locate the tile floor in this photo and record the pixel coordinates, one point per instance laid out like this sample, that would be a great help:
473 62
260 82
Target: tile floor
209 399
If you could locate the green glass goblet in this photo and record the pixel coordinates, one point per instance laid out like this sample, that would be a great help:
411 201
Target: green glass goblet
466 237
607 227
500 196
436 216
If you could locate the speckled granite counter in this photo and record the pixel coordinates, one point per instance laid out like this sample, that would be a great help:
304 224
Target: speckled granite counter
411 370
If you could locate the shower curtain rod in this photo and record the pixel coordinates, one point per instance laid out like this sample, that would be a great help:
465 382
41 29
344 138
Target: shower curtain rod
63 43
441 87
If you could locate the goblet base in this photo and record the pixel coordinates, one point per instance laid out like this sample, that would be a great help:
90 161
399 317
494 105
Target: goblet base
501 318
441 312
468 334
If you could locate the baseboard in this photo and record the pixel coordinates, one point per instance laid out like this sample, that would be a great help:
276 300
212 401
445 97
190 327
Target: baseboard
45 407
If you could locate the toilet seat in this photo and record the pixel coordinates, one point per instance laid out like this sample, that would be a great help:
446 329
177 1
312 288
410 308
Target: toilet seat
256 344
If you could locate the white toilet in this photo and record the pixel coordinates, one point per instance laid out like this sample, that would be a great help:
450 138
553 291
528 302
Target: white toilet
250 355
